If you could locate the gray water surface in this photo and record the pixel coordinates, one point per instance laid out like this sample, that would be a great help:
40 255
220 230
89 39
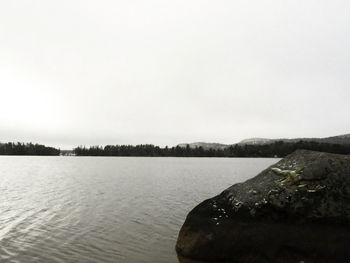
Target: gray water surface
106 209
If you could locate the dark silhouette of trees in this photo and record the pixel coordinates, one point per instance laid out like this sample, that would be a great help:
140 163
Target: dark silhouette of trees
19 148
276 149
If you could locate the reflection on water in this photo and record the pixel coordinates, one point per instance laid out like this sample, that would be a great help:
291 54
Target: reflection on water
89 209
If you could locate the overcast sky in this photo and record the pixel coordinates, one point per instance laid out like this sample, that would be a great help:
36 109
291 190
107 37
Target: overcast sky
166 72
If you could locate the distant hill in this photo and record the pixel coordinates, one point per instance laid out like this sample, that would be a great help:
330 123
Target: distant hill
340 139
256 141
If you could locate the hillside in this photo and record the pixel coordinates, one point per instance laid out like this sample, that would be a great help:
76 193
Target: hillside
340 139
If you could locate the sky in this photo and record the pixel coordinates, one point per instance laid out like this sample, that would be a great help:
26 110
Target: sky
166 72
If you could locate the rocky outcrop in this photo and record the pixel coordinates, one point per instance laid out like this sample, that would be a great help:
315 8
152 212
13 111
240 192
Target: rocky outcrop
297 210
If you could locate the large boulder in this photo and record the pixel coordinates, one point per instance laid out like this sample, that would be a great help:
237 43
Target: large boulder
297 210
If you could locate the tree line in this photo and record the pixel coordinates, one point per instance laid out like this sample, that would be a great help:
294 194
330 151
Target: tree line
19 148
275 149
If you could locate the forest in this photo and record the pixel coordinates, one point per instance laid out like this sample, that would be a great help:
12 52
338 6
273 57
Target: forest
19 148
276 149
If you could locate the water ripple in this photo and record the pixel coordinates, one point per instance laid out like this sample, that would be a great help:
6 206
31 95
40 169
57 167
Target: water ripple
56 209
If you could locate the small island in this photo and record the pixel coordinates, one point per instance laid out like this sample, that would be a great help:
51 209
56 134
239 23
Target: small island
20 148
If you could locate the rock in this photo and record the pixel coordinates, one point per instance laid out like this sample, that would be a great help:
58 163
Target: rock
297 210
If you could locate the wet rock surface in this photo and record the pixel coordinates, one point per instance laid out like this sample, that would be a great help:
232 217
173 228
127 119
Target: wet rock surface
297 210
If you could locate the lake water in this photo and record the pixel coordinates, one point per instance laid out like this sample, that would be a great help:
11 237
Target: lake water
106 209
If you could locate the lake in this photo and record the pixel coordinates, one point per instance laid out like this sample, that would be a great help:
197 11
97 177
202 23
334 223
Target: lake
106 209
